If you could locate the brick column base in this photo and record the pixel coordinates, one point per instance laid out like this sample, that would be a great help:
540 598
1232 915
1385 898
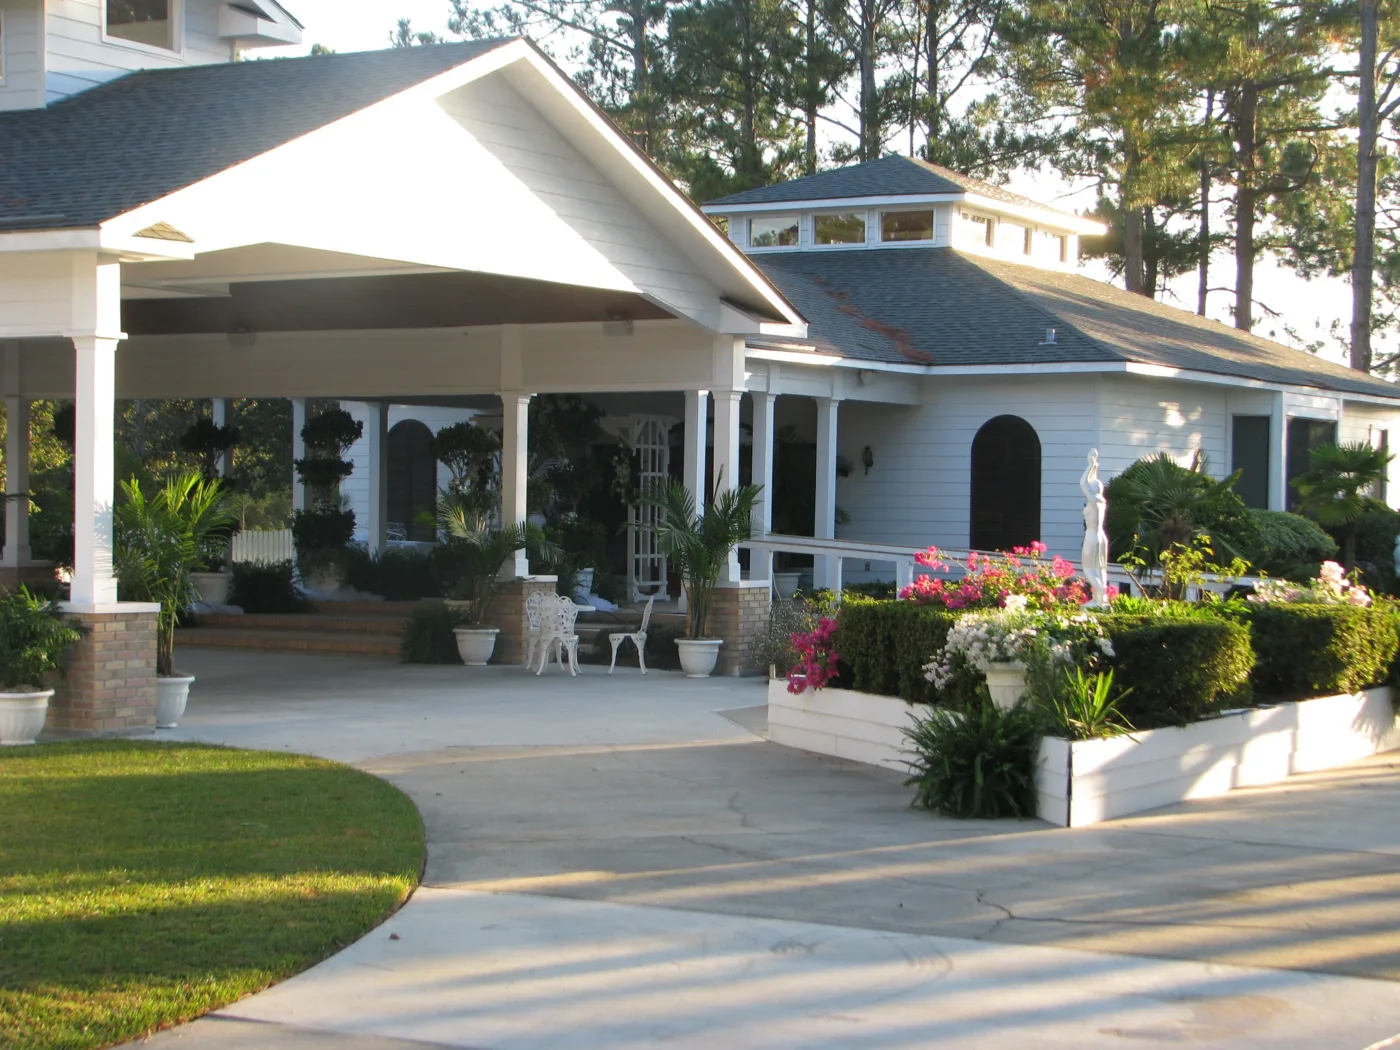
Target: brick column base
506 610
37 576
739 614
110 687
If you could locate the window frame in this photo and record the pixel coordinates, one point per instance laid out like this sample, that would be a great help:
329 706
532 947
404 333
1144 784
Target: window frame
795 224
932 238
862 214
177 33
987 222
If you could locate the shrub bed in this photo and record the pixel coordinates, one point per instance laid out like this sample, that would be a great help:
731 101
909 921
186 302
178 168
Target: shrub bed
266 587
885 645
1172 670
1318 650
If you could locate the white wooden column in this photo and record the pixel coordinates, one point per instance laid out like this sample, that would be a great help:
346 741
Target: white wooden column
515 466
377 463
693 459
94 472
726 475
298 452
761 564
827 572
16 482
219 412
1278 453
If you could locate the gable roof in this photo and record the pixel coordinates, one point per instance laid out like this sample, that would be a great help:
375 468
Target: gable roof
892 176
937 306
142 136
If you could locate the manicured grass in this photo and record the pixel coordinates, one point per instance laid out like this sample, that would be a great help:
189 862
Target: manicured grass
143 884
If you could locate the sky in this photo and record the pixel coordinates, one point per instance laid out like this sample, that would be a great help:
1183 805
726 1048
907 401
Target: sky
1308 307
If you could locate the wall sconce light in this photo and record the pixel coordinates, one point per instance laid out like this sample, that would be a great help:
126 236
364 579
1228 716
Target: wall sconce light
867 456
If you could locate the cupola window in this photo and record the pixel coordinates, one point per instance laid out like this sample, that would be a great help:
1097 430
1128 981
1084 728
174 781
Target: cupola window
906 226
775 232
148 22
848 228
981 227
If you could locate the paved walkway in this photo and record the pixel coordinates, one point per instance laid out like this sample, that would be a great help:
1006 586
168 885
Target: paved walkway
614 863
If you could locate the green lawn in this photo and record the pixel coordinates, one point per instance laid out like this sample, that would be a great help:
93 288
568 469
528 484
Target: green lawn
143 884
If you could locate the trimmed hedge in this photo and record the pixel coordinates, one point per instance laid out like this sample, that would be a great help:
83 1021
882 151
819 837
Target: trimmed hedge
1318 650
1172 670
885 644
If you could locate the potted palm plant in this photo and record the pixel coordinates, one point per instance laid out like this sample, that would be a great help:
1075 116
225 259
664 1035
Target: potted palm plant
160 541
34 644
476 550
698 546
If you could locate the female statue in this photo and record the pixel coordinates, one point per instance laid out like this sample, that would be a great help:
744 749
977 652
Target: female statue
1095 550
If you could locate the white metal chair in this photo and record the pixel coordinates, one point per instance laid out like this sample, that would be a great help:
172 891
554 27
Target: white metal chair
639 639
557 616
534 606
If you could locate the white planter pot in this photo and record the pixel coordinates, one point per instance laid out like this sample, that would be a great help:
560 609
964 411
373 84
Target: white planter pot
785 583
172 694
211 588
584 587
22 717
476 644
699 655
324 579
1006 681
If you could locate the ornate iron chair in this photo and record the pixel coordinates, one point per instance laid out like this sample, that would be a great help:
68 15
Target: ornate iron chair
639 639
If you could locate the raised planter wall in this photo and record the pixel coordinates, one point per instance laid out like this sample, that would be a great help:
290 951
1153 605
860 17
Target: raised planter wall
1121 775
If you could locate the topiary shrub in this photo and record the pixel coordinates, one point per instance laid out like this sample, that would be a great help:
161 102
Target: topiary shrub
1288 546
1171 670
427 636
978 764
266 587
400 574
1375 533
886 644
1318 650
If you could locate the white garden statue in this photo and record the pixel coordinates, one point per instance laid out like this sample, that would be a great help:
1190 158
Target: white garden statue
1095 550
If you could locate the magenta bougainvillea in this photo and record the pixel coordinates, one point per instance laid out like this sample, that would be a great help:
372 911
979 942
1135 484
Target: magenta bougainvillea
817 659
989 579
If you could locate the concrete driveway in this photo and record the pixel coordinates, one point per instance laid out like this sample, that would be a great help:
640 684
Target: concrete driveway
624 862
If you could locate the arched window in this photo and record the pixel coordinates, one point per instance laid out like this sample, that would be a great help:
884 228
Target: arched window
1005 485
412 478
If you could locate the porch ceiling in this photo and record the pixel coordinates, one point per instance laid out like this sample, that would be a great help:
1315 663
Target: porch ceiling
400 301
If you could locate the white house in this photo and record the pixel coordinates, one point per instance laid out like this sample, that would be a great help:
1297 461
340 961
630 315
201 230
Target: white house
457 229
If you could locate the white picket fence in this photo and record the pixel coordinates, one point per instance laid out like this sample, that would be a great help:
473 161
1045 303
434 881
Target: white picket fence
272 546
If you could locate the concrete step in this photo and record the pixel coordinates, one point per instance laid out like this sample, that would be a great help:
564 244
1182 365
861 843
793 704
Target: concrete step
367 608
388 623
289 641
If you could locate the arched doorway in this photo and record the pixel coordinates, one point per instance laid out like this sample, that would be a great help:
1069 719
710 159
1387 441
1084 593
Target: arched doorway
1005 485
412 478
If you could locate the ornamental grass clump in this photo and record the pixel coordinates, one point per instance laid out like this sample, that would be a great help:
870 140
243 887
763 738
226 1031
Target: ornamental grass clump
975 765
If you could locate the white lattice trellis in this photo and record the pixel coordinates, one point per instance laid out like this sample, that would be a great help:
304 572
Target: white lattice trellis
650 438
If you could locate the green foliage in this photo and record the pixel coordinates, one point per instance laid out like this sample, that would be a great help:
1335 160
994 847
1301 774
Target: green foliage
475 553
330 434
979 765
321 536
1157 504
427 636
1084 707
208 442
772 646
1335 489
35 640
1289 546
1374 533
400 574
1318 650
266 587
1173 669
884 590
160 541
469 452
886 645
698 545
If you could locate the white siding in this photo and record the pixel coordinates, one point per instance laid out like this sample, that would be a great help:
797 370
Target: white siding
21 63
1140 416
555 173
1361 422
918 491
79 57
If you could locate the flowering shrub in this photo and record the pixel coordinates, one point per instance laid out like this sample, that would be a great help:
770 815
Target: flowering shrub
988 580
817 658
1330 587
1045 640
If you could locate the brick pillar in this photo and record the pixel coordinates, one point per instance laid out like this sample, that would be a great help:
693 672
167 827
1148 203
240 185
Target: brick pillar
110 686
36 575
506 610
738 614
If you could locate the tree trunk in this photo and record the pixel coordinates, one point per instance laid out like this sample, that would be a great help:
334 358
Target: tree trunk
809 163
1150 260
1203 242
1132 251
642 130
934 126
1246 203
1363 258
869 122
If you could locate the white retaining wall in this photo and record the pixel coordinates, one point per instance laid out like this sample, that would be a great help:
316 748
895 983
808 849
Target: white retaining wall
1121 775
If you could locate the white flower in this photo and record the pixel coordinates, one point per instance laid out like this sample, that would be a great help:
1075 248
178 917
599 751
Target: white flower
1015 603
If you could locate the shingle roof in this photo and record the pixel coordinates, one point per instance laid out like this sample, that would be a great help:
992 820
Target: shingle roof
937 306
886 177
142 136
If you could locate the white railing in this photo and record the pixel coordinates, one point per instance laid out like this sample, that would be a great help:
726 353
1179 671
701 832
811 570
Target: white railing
829 557
272 546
